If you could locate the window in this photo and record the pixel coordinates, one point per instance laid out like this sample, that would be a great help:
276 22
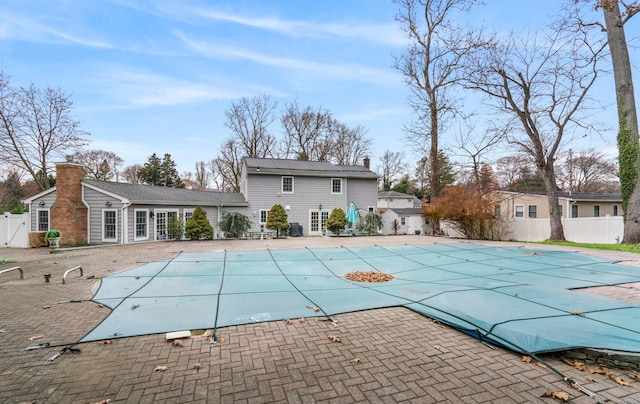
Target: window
596 210
560 210
109 225
533 211
519 211
287 185
574 210
615 210
324 217
42 217
264 213
188 213
336 185
497 211
141 224
403 221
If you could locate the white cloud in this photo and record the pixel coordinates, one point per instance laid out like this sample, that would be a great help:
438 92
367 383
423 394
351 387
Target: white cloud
19 27
325 70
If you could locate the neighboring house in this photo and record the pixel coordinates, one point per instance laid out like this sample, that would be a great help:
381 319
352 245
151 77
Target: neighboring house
101 212
393 199
586 217
308 190
410 221
532 205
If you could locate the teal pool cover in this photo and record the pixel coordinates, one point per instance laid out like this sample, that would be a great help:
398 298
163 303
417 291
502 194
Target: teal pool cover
516 297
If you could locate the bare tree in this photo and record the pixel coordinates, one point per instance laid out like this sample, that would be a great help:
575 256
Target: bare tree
588 171
432 68
227 166
35 126
307 134
130 174
350 145
541 87
202 177
509 169
99 165
249 121
390 168
476 146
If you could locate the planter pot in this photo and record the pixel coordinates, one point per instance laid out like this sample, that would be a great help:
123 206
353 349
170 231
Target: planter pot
54 242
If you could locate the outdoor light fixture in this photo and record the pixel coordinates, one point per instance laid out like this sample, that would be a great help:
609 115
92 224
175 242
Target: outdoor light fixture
151 214
41 203
108 203
320 207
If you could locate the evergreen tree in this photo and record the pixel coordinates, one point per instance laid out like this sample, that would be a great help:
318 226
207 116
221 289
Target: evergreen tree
198 226
277 219
160 172
370 223
234 223
337 221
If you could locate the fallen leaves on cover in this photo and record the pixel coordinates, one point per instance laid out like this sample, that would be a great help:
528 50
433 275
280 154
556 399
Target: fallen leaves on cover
599 370
368 276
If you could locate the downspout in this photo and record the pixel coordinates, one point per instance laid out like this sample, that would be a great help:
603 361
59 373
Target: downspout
125 223
88 216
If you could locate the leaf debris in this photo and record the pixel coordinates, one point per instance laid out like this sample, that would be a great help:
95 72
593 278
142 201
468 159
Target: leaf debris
160 368
334 338
558 395
368 276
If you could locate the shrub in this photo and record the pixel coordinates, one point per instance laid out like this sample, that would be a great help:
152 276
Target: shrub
175 227
198 226
370 223
17 210
337 221
53 233
277 219
469 211
235 223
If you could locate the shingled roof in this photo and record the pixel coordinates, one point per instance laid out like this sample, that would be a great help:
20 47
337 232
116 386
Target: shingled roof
156 195
258 166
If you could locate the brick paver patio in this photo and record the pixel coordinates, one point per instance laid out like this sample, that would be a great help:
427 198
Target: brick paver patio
385 355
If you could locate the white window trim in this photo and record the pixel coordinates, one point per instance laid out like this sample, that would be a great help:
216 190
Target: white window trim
332 191
109 240
282 184
515 211
38 218
265 216
135 224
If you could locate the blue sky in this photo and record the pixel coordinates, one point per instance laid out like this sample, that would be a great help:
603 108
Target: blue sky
156 76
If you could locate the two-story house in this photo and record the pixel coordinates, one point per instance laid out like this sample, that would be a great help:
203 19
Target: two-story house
308 190
89 212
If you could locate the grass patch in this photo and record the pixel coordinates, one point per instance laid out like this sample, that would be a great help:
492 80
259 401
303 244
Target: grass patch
634 248
6 260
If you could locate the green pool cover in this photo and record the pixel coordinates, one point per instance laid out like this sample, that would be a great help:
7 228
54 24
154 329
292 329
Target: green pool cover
516 297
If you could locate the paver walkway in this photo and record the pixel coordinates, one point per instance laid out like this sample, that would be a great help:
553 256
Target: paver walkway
401 355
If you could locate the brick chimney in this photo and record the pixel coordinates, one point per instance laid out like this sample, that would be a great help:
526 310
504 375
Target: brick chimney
68 212
367 163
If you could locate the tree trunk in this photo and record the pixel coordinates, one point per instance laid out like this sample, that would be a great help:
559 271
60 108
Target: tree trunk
548 176
629 157
434 180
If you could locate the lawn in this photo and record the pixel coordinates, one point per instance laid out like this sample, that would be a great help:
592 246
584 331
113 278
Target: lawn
634 248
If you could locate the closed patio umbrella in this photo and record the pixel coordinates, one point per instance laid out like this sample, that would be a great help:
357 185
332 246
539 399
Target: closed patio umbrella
352 214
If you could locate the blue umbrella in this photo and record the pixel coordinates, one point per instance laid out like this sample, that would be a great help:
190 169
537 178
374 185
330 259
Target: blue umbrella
352 214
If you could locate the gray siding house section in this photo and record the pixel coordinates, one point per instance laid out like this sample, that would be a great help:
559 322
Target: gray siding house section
308 190
121 213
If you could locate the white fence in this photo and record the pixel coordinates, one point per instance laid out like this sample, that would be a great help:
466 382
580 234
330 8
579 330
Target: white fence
603 230
14 230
